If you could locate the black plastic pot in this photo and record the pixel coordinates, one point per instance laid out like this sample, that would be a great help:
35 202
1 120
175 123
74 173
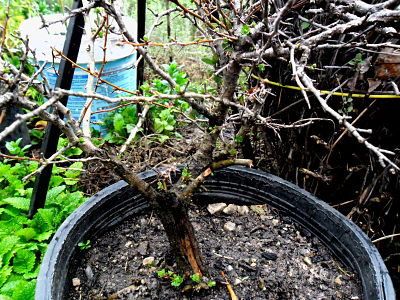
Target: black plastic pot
233 185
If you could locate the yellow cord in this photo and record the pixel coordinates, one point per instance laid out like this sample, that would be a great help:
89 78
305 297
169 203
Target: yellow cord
328 92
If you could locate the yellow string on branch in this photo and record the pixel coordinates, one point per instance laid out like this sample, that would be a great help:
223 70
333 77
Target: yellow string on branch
373 96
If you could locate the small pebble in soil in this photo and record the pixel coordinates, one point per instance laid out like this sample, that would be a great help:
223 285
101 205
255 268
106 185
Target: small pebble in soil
231 210
307 260
216 208
89 273
338 281
76 281
243 210
128 244
229 226
148 261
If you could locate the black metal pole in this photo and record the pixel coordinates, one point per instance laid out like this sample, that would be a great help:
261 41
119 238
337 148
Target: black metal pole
141 29
64 81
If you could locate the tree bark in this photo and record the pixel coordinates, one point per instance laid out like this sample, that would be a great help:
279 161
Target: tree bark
180 232
174 217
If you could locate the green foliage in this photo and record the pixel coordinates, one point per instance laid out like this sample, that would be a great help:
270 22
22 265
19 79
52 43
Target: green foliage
161 273
194 283
186 175
164 122
238 139
246 29
16 11
261 67
15 149
163 117
211 283
347 106
357 61
23 241
211 61
84 245
120 123
305 25
176 280
195 278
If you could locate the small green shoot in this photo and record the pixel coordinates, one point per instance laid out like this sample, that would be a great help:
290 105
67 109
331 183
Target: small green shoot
176 280
195 277
84 245
261 67
161 185
186 175
161 273
211 283
245 29
238 139
347 106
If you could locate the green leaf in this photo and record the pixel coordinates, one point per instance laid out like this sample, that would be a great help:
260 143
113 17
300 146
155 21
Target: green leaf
26 233
53 194
305 25
211 61
163 138
9 227
24 290
165 114
73 151
239 139
211 283
159 125
261 67
246 29
33 274
5 272
177 281
359 56
161 273
18 202
119 124
44 219
13 147
195 278
56 181
9 287
23 261
7 243
43 236
178 135
4 297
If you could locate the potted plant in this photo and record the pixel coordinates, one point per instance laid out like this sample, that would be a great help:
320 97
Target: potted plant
239 185
243 40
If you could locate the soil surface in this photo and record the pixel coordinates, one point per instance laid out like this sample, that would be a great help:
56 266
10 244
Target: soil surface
262 253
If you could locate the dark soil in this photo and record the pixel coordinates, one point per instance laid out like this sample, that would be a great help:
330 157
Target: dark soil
265 256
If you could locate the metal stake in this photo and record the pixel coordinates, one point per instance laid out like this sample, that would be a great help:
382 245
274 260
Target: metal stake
141 28
64 81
